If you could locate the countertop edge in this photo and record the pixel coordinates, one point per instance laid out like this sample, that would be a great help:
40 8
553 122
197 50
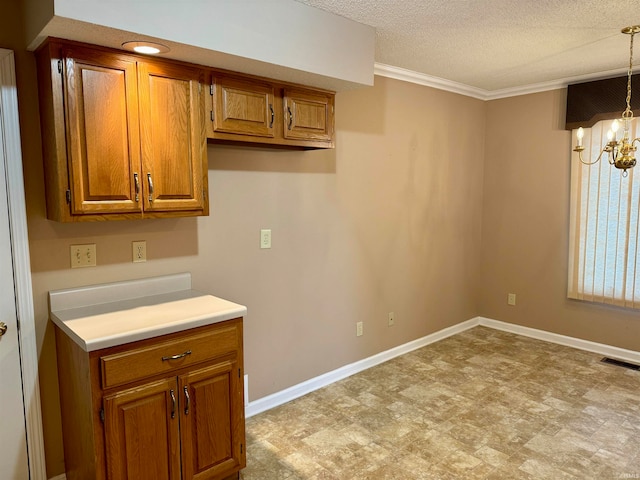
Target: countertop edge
146 333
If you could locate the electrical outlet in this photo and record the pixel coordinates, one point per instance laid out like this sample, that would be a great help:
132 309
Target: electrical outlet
511 299
83 255
139 251
392 319
265 238
359 328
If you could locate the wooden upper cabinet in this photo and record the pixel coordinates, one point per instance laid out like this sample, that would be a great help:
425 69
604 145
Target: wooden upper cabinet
103 139
123 136
255 110
173 138
243 107
308 115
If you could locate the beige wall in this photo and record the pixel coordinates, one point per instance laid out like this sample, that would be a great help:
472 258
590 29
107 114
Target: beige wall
525 225
388 221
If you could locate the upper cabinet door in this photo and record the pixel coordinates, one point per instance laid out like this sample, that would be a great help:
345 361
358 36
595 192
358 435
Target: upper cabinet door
242 107
308 115
102 127
174 155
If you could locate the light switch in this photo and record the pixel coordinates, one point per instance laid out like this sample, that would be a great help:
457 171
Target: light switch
265 238
83 255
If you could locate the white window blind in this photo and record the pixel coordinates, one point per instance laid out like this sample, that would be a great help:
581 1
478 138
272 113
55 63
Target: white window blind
604 250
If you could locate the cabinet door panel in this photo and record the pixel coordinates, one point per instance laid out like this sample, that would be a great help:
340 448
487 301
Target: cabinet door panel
173 138
308 116
103 136
142 439
243 108
212 431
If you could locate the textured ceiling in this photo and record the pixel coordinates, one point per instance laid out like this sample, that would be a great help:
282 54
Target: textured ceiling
497 45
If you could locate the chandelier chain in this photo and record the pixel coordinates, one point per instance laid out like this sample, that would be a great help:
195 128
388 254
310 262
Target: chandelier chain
628 113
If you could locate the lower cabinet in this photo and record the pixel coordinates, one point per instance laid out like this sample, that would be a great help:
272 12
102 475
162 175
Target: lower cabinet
166 408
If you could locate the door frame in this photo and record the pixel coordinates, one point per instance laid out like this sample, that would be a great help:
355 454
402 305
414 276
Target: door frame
12 159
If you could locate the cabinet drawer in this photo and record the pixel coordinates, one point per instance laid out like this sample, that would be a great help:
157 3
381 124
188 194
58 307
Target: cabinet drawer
139 363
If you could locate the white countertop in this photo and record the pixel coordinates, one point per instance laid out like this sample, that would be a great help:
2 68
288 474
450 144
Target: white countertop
101 316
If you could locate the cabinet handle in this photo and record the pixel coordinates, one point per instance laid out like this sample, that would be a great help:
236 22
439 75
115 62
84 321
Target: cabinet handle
272 115
136 181
150 187
290 118
173 403
186 395
175 357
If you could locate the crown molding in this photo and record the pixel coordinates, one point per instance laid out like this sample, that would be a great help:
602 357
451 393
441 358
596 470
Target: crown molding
410 76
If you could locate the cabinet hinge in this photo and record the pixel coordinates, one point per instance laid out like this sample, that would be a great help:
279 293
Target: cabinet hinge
59 66
241 447
68 195
239 374
211 115
102 415
211 89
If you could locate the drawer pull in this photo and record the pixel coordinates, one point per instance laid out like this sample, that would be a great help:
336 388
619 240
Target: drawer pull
176 357
186 394
173 403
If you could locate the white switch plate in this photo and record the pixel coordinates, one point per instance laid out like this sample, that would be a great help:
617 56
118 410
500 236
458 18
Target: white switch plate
83 255
139 251
359 328
511 299
265 238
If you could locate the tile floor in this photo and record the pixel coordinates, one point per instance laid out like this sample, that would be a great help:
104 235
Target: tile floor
482 404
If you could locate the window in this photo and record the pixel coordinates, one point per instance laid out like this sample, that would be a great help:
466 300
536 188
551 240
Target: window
604 250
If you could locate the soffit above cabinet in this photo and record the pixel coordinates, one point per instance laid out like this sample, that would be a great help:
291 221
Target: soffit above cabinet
282 39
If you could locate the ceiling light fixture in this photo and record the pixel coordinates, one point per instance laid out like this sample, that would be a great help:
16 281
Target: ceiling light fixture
150 48
621 152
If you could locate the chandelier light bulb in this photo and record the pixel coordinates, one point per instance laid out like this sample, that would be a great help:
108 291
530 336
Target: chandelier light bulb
580 135
615 126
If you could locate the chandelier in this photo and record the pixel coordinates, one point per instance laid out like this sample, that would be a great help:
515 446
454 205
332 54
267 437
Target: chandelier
621 153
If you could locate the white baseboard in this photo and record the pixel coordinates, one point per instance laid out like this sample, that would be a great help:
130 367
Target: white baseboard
296 391
600 348
291 393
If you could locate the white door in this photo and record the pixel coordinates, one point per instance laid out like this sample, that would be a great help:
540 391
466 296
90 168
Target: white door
13 438
19 387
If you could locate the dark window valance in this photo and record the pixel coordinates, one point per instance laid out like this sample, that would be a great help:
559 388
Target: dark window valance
590 102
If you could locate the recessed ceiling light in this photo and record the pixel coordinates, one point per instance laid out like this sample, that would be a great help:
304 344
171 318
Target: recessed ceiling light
145 47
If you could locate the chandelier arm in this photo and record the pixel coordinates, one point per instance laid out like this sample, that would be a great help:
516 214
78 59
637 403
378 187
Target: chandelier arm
591 163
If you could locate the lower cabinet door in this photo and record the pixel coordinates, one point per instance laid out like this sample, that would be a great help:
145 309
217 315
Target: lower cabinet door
142 432
212 422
